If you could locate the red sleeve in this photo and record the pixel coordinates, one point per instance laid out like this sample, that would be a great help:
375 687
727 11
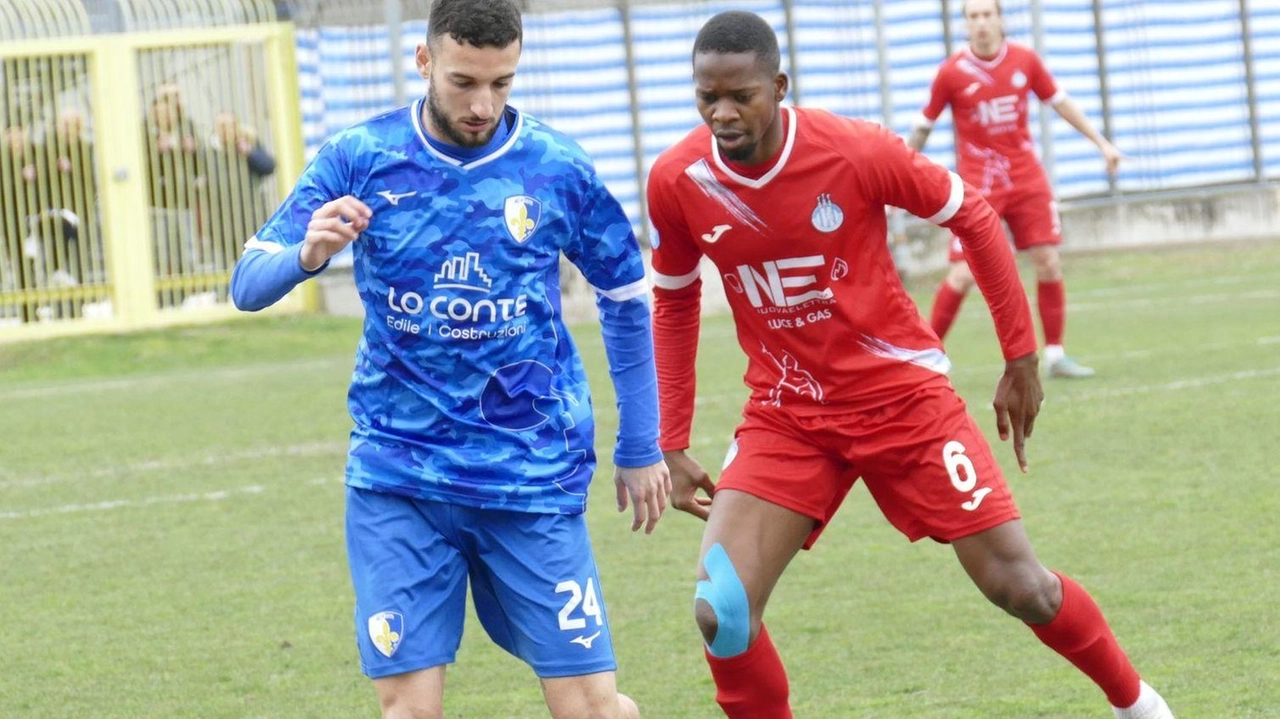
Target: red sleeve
938 96
904 178
995 271
1042 82
677 309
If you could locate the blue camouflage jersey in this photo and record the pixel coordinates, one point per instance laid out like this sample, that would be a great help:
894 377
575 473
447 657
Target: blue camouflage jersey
467 387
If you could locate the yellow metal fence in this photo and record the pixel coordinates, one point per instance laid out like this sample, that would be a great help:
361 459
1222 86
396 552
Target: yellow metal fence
133 167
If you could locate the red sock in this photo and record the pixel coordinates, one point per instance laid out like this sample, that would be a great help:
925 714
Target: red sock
1080 633
1051 300
946 305
752 685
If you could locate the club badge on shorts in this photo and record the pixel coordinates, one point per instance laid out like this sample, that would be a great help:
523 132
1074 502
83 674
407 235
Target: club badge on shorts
386 629
522 215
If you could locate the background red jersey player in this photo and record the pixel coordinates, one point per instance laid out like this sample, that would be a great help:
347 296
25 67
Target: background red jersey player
987 85
846 381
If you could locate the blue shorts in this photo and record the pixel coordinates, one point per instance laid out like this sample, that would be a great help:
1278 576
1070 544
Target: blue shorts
533 579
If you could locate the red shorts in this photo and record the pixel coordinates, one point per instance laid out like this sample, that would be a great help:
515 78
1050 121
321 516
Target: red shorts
923 459
1032 217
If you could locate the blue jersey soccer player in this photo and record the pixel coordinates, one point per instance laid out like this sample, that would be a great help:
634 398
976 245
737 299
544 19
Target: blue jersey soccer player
472 446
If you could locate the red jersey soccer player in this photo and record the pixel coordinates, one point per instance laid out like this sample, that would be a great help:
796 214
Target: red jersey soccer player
987 84
846 380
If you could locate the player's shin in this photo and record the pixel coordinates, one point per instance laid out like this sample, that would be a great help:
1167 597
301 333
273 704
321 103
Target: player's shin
753 684
946 306
1080 633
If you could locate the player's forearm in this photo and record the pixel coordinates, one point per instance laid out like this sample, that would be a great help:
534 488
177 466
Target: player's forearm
918 137
261 277
1071 112
676 320
628 344
996 274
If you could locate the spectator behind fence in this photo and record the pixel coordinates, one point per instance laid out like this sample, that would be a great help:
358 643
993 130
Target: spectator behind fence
71 193
17 203
175 162
237 165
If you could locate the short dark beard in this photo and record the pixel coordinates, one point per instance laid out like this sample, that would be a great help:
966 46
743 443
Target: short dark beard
742 154
441 123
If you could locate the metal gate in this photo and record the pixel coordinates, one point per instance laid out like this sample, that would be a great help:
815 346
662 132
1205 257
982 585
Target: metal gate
134 165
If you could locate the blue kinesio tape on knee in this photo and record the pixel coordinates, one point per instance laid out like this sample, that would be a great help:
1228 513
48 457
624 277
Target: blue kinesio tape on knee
728 599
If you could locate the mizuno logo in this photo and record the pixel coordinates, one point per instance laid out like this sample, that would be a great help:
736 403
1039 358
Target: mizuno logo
585 641
973 87
395 199
714 234
978 496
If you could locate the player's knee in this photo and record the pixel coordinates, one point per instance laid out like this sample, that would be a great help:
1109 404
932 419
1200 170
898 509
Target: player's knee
960 277
406 707
407 697
627 707
1048 263
1029 594
706 618
614 706
721 606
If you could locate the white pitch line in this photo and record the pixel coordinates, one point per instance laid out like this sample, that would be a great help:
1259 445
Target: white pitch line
1212 281
178 463
110 504
159 380
1174 386
1165 301
123 503
995 369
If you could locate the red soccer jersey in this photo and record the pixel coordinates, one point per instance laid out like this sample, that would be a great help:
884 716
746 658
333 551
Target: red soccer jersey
988 98
820 311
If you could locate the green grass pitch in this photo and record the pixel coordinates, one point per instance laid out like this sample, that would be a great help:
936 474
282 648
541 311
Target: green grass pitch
171 525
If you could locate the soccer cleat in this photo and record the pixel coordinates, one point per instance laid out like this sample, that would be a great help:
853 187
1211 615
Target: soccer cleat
1069 369
1150 705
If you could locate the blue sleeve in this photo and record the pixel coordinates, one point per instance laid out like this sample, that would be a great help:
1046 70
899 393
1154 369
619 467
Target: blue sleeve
605 249
262 277
269 267
628 343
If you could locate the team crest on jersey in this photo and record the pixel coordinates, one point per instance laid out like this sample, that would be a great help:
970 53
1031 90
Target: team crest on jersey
1018 79
386 629
522 214
827 216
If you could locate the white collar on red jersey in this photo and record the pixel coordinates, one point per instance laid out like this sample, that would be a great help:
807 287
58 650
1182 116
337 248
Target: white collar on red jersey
987 63
764 179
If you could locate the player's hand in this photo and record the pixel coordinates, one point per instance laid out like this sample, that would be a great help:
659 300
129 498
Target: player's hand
334 226
647 489
687 477
1112 156
1017 402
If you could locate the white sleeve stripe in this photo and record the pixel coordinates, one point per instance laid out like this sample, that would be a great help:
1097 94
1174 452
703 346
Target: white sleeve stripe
639 288
1058 96
670 282
924 122
271 248
950 209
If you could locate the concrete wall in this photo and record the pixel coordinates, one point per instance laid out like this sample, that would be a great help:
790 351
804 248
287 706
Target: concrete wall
1214 214
1209 214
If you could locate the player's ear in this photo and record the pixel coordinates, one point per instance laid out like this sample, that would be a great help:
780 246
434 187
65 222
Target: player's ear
422 57
780 84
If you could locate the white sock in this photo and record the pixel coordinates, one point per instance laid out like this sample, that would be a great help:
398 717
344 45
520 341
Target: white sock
1053 353
1150 705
